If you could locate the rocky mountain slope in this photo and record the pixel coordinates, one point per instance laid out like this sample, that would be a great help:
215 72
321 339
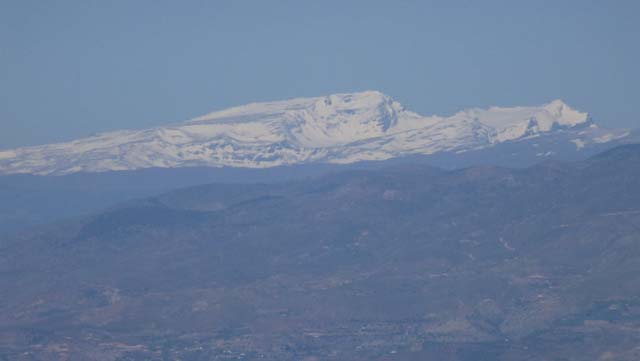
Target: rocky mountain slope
404 263
340 128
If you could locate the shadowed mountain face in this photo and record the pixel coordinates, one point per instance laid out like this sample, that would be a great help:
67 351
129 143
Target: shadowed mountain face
404 263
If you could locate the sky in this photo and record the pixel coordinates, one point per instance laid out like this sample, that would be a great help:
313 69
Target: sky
74 68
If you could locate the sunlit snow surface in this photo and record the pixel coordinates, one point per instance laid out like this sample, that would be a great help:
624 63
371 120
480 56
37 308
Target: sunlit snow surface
340 128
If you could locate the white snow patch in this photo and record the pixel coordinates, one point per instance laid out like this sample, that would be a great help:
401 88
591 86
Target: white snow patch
608 137
7 154
579 143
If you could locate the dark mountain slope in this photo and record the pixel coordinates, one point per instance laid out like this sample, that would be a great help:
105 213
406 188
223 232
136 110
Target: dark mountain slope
406 263
27 200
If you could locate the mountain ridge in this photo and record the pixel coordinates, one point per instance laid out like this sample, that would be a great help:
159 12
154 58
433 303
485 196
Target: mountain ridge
340 128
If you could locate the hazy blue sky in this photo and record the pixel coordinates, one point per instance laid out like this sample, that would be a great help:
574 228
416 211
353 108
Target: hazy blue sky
72 68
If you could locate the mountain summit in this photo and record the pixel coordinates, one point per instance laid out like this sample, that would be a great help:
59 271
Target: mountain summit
339 128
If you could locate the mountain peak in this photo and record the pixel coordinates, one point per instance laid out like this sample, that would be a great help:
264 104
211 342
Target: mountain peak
369 98
556 103
565 115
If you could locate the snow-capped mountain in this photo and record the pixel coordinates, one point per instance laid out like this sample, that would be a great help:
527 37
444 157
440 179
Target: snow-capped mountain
340 128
